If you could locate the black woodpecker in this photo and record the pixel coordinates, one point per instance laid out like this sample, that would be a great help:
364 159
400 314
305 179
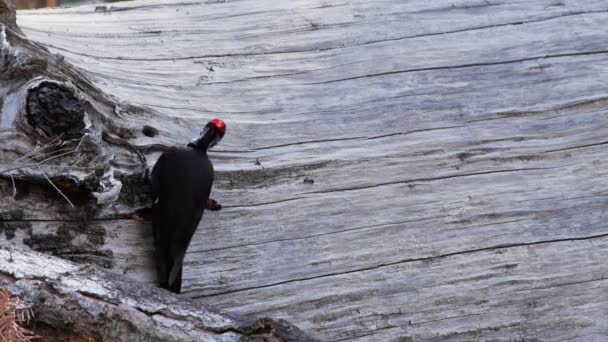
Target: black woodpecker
181 183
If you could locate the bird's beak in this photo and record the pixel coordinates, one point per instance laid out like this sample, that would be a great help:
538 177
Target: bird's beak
215 140
208 134
215 135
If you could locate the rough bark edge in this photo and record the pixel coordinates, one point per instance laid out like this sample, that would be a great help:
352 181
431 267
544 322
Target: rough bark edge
92 304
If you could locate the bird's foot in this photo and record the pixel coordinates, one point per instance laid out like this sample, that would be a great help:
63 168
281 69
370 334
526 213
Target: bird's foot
142 215
213 205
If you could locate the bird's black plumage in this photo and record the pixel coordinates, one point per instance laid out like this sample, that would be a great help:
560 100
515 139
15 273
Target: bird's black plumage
181 182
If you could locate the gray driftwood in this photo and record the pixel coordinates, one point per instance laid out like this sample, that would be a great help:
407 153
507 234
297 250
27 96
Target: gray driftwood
393 170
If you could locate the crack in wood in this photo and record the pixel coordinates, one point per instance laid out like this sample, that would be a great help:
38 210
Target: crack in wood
430 179
261 203
317 235
464 66
558 108
410 260
562 284
308 142
577 147
330 48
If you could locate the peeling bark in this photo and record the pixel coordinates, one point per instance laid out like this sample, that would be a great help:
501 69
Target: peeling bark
86 303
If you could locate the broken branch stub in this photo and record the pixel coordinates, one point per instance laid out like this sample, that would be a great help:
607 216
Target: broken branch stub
65 156
46 100
62 157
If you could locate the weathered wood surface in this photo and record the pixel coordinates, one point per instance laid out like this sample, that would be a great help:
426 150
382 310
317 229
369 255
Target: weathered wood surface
82 303
457 150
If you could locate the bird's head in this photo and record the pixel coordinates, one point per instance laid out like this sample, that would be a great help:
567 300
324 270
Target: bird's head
212 134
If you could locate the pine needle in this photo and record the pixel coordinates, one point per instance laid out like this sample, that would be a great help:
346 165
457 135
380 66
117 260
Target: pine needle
13 313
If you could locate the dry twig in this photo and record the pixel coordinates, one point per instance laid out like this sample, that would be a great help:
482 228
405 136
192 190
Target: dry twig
31 155
55 186
14 186
37 150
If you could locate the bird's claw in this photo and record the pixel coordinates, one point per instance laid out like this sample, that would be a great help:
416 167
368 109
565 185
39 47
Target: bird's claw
213 205
142 215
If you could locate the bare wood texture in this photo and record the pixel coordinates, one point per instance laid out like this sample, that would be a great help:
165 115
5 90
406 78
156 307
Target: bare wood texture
81 303
53 118
393 170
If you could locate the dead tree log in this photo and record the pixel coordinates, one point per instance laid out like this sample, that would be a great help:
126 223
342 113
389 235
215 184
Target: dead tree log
393 170
84 303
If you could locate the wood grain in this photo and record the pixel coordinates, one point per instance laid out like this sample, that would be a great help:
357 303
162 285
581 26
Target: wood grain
81 303
457 150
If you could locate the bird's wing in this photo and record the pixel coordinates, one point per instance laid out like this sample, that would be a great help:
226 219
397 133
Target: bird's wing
156 170
188 227
178 248
157 224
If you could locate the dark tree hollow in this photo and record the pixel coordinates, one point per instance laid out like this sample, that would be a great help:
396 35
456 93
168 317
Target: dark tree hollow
54 109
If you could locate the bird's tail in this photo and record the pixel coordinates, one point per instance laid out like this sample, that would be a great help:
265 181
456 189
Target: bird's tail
169 271
174 282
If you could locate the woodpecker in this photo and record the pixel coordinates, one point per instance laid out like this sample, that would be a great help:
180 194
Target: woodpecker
181 183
